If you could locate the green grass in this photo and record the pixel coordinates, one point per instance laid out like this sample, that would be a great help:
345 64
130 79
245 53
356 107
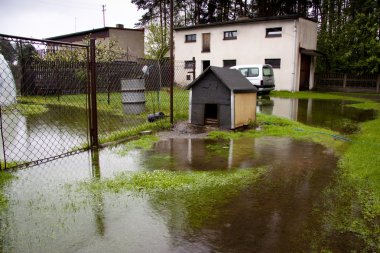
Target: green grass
281 127
315 95
5 177
145 142
114 107
201 194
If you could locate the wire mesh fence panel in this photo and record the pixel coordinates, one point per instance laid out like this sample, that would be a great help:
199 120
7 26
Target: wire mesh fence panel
43 100
135 95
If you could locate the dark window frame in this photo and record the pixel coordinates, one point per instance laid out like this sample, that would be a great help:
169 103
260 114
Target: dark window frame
273 32
190 38
230 35
274 62
229 61
189 64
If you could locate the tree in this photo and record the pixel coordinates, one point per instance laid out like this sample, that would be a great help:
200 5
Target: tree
8 51
157 42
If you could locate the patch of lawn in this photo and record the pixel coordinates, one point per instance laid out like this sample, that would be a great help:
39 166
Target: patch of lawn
145 142
269 125
5 177
315 95
200 194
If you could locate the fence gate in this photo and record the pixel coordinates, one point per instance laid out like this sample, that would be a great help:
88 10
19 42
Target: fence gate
49 117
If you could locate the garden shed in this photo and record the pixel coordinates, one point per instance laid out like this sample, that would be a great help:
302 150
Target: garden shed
222 97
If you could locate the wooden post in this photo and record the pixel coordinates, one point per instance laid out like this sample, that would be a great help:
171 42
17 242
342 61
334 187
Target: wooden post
194 67
344 81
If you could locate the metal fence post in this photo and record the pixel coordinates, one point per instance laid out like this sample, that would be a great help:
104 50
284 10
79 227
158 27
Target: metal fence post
171 44
94 141
2 141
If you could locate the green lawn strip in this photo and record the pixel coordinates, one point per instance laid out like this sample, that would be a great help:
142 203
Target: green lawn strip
361 161
154 102
199 194
145 143
26 109
269 125
5 177
315 95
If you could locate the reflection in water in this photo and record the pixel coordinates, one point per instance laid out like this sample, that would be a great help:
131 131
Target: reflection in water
332 114
273 215
98 198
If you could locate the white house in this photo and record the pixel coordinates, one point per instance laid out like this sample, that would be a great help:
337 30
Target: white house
288 43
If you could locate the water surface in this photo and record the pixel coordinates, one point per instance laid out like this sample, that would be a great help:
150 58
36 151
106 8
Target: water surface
274 214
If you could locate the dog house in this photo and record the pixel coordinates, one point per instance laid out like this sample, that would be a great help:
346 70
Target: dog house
222 97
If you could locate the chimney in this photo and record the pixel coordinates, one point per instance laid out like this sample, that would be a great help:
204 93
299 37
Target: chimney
121 26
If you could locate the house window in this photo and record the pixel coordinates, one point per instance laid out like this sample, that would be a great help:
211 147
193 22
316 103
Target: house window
189 64
190 38
273 32
205 42
275 63
229 63
230 35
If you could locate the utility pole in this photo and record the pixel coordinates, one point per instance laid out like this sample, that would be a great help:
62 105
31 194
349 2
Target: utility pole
104 14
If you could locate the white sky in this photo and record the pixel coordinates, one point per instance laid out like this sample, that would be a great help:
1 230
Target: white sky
48 18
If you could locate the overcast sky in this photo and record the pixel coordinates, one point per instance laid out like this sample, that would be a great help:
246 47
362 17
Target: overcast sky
48 18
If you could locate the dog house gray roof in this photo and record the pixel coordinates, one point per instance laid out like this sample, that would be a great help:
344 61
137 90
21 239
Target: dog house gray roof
231 78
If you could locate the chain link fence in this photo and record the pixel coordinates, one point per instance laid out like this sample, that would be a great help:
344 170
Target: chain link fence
45 102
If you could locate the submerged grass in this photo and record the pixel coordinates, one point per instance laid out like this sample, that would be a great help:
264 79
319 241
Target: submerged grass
200 194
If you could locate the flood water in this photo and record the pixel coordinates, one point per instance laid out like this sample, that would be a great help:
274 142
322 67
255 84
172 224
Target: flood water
332 114
45 215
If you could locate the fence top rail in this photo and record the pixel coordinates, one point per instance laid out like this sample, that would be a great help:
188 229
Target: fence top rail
42 41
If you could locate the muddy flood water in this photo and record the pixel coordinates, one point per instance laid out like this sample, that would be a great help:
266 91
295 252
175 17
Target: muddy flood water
47 213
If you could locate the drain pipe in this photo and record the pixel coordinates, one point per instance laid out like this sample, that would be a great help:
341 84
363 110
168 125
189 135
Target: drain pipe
294 55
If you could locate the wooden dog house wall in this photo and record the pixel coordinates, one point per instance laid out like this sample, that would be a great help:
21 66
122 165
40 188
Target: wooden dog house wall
222 97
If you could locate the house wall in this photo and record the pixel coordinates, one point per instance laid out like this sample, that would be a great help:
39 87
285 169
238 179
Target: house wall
307 38
209 90
244 109
251 47
132 41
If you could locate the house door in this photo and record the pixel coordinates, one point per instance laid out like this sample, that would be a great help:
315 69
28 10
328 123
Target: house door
305 72
205 65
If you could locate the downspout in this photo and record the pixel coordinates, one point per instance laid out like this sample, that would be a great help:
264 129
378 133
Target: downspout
294 55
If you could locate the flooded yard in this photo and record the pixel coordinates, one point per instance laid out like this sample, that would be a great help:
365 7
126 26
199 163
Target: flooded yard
279 211
47 213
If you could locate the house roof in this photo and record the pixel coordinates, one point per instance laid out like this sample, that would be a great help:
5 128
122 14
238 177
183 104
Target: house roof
231 78
93 31
244 21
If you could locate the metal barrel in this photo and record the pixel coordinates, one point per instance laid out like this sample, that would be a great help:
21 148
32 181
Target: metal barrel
133 95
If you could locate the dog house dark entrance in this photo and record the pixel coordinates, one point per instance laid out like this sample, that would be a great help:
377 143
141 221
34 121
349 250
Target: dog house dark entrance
222 97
